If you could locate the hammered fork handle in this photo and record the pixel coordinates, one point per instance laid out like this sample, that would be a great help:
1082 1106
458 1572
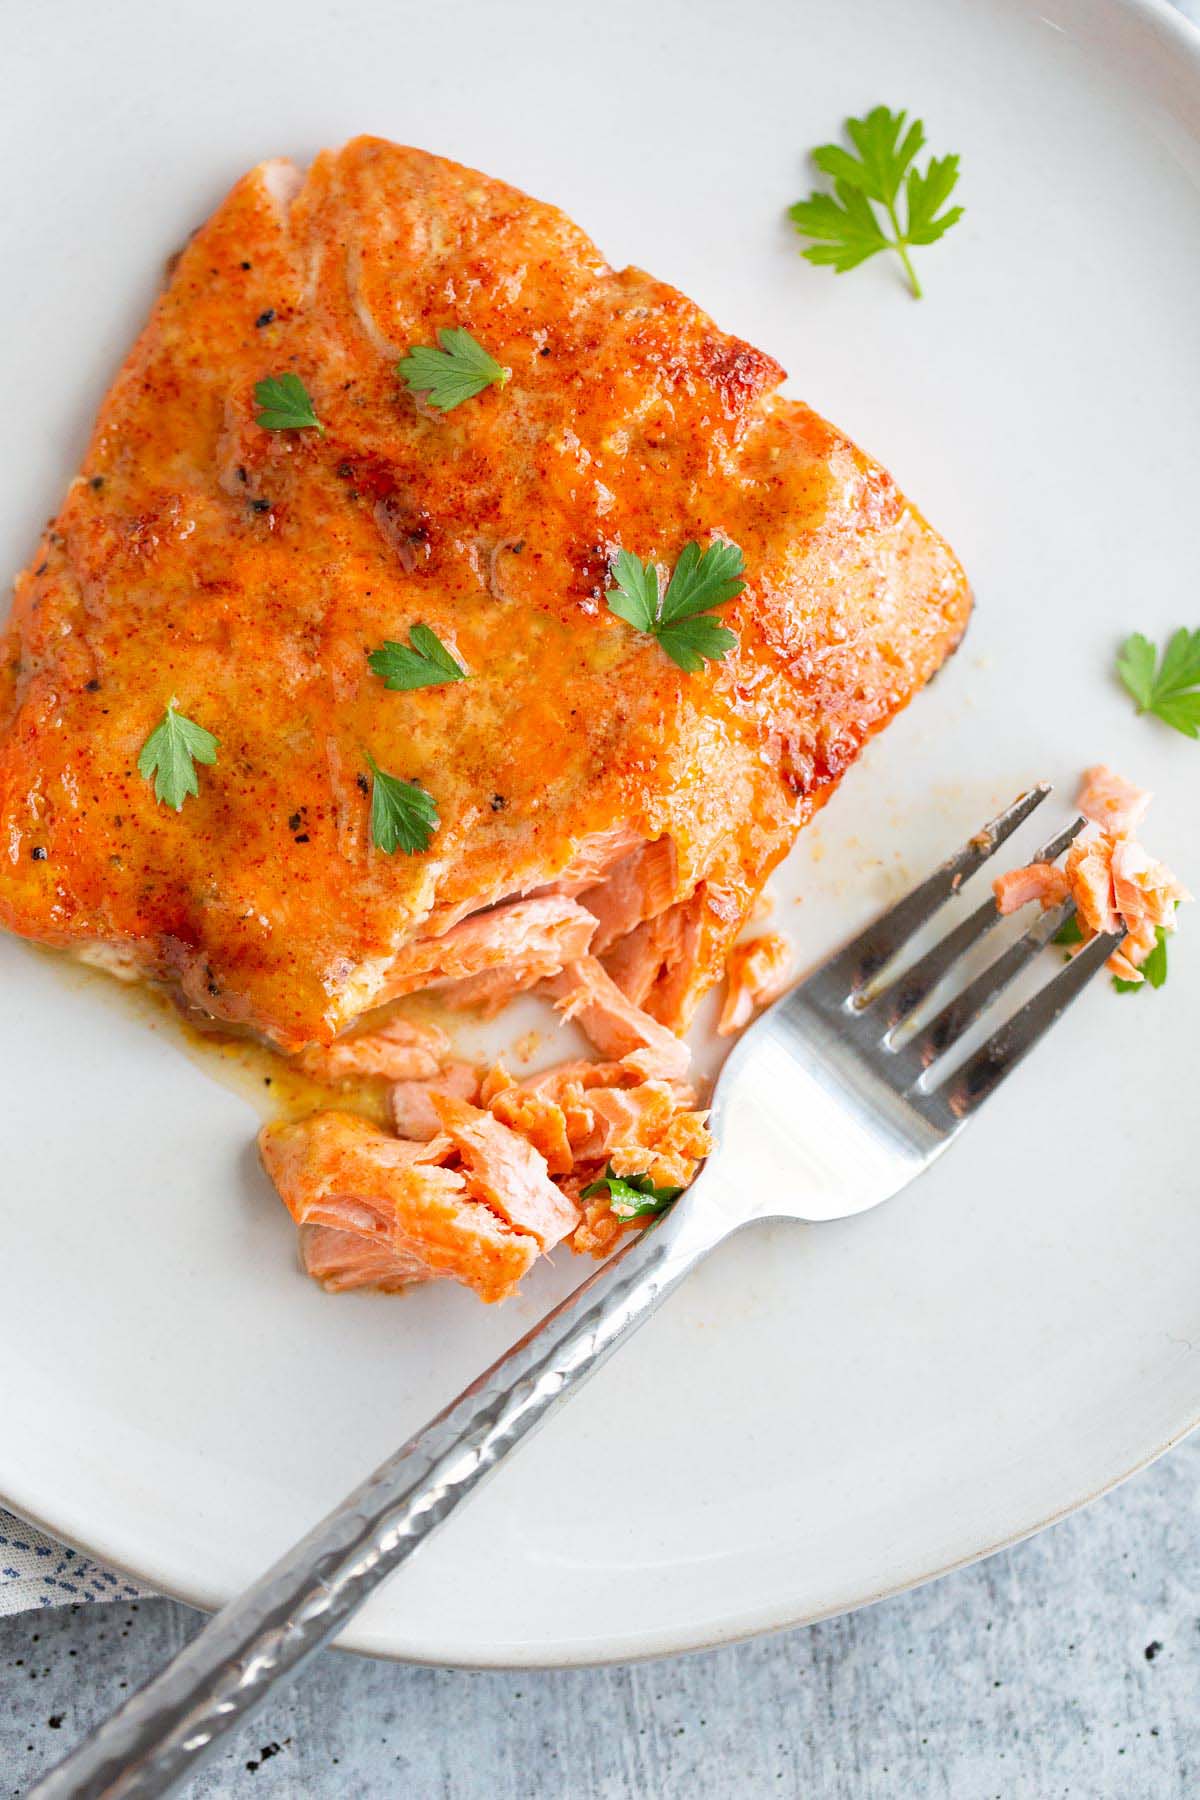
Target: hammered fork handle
162 1734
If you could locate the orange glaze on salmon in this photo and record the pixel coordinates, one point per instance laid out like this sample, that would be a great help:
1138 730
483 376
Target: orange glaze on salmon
246 573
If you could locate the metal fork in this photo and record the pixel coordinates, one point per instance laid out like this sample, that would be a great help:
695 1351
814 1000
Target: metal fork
825 1108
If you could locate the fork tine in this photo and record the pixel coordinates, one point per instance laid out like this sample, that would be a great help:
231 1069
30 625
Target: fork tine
983 1072
910 990
961 1012
866 954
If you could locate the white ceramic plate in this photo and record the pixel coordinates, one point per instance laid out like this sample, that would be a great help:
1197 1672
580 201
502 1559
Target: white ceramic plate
822 1416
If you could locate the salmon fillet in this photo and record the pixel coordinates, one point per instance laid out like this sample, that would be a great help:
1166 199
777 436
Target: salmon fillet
246 573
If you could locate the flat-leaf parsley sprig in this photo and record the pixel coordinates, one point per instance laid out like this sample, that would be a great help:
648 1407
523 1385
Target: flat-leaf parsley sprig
632 1196
170 754
1170 688
403 816
680 618
845 224
423 662
458 371
284 404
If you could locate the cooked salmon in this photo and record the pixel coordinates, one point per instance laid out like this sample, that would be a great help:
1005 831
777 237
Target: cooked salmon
507 1170
1116 886
389 1209
756 972
1110 801
618 1028
245 573
411 1102
399 1050
1041 881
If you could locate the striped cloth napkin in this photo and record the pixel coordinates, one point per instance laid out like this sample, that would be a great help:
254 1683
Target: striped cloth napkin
37 1571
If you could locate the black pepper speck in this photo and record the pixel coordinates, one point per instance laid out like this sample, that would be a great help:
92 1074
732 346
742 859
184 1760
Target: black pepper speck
93 686
364 786
260 506
97 481
264 318
38 854
498 803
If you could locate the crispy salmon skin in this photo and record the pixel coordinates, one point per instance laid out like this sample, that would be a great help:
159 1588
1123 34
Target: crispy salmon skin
247 573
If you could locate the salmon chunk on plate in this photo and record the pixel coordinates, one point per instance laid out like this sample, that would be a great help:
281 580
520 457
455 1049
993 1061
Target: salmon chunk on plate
319 690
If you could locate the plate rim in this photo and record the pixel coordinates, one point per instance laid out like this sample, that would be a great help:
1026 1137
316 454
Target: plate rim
616 1652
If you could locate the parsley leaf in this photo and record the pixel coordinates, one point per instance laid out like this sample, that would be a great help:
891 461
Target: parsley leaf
845 224
423 662
1171 691
170 754
403 816
284 404
679 619
1069 933
636 596
632 1196
458 371
1154 969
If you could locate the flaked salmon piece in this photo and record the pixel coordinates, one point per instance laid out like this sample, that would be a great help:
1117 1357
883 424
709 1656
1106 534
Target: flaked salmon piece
1089 873
643 884
667 963
757 973
598 1228
529 939
559 1077
558 1088
641 1131
1127 959
1122 966
566 1085
1144 889
1036 881
344 1259
584 991
400 1050
540 1121
635 961
1110 801
411 1102
1115 884
634 1117
507 1171
339 1171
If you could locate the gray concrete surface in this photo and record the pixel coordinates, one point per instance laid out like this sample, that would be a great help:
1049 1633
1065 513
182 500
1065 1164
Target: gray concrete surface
1068 1666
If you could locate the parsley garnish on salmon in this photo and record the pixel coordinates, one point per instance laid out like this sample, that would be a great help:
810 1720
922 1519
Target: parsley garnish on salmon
170 754
680 617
